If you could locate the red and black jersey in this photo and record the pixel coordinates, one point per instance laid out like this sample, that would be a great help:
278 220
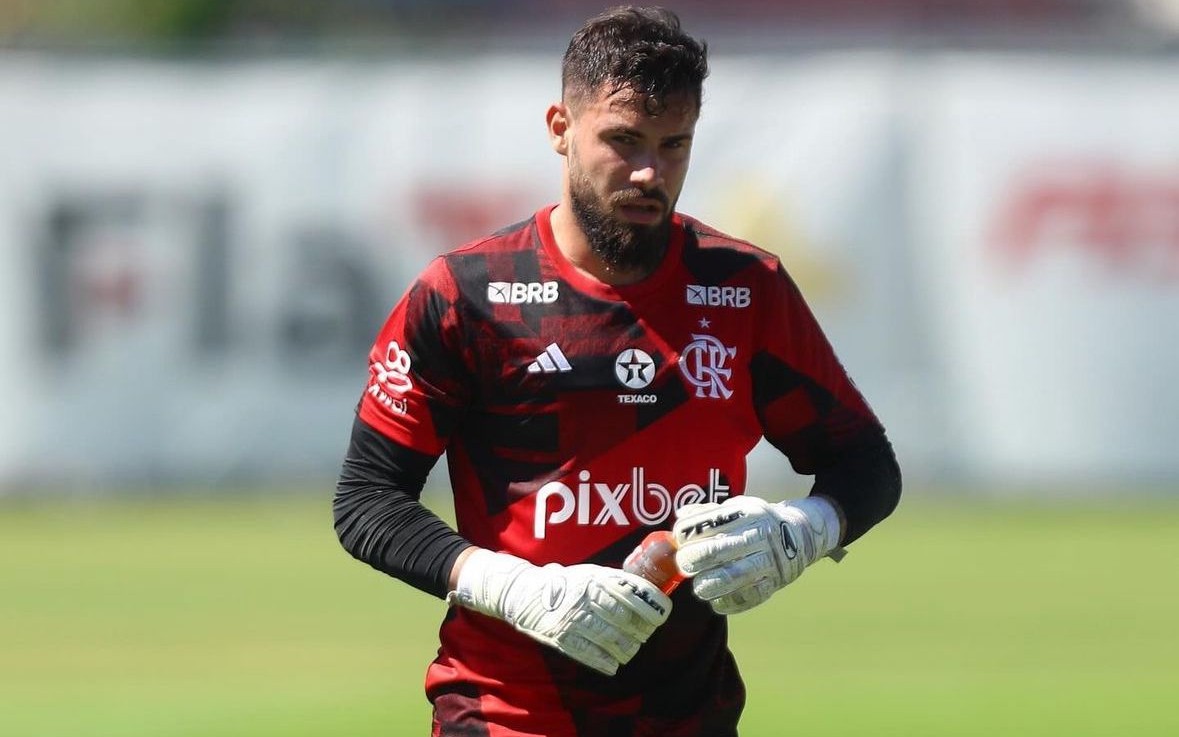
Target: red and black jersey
576 417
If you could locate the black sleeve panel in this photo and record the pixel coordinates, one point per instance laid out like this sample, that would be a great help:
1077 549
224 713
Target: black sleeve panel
380 520
866 483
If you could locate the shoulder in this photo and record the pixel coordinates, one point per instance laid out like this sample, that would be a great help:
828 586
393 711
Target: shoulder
709 250
476 258
515 237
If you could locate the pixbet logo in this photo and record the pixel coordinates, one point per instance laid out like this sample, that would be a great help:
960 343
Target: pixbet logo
638 501
738 297
390 379
518 293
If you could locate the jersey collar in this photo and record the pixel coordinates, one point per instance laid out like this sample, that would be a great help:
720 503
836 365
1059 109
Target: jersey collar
586 283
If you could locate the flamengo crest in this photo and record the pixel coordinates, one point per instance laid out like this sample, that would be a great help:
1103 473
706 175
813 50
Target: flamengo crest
703 364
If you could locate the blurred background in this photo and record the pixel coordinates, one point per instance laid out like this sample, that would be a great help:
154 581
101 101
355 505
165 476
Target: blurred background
207 207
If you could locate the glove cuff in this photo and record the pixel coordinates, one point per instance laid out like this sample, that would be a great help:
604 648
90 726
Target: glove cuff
483 580
823 521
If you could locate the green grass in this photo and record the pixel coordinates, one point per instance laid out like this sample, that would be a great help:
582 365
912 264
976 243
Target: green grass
244 618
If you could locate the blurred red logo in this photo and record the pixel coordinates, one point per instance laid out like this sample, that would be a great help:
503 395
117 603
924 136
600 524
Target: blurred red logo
1124 217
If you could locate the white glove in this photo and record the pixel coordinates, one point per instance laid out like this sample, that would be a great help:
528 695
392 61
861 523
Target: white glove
596 615
742 551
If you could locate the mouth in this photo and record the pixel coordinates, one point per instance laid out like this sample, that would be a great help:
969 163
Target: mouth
643 211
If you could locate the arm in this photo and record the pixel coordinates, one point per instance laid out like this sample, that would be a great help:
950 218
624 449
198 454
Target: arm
863 484
813 413
744 550
380 520
595 615
741 552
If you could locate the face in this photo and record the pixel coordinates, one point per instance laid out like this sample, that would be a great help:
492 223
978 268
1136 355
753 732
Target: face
625 169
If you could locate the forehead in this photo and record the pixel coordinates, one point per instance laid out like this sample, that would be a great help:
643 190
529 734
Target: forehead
627 108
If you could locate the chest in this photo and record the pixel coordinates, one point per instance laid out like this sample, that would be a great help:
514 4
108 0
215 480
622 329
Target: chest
674 348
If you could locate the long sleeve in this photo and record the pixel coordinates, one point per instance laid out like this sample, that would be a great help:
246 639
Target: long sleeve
380 519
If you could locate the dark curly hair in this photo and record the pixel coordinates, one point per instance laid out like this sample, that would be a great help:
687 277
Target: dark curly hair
642 49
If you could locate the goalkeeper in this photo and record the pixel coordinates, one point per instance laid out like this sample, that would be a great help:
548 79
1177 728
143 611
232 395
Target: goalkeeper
595 372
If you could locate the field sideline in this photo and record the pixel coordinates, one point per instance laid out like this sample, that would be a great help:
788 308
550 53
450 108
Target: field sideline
242 617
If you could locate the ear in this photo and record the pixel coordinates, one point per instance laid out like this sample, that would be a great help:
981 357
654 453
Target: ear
557 120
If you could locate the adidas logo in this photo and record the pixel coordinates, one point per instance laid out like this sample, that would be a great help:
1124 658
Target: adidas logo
550 362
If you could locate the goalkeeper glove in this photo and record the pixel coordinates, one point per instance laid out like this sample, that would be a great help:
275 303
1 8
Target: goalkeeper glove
742 551
596 615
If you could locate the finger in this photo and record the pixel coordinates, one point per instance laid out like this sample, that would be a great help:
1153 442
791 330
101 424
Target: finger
735 575
743 600
715 519
587 653
631 601
614 619
620 644
692 510
700 555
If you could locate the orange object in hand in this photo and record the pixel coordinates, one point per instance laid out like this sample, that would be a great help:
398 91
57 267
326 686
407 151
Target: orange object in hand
654 560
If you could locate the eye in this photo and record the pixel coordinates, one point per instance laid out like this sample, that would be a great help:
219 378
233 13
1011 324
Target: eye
625 139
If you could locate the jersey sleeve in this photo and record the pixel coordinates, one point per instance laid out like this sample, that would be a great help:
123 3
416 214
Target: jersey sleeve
811 411
418 382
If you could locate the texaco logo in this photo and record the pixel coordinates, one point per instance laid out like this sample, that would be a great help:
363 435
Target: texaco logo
634 368
702 363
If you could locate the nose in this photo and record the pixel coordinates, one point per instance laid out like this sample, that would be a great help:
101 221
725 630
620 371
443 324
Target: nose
644 178
646 172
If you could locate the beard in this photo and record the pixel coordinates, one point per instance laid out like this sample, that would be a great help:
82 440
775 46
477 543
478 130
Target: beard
621 246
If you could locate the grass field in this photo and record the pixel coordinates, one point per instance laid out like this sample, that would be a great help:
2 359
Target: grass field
244 618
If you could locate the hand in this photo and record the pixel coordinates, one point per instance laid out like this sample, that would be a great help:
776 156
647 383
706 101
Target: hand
742 551
596 615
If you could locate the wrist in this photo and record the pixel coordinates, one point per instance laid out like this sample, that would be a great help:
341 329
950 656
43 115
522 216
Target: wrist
822 521
459 562
482 578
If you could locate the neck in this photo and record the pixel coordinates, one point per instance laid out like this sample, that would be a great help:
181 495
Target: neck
574 245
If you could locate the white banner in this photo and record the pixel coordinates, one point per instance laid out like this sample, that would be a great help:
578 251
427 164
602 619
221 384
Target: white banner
194 257
1047 191
200 254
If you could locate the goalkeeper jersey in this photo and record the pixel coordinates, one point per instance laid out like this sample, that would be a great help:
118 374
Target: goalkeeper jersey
576 417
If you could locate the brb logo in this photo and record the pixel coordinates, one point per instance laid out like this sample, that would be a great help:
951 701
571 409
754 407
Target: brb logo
390 379
703 364
637 501
738 297
519 293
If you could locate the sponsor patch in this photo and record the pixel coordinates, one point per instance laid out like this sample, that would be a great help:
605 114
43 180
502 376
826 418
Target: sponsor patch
635 500
714 296
389 379
634 368
520 293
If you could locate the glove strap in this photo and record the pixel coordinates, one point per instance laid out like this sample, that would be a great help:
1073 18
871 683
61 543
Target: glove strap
483 580
823 521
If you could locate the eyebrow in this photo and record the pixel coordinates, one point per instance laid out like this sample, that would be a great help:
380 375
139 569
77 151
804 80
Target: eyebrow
675 138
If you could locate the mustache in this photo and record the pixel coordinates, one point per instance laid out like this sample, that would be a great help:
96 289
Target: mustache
627 196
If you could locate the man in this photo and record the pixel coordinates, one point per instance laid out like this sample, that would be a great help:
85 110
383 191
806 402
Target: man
589 372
